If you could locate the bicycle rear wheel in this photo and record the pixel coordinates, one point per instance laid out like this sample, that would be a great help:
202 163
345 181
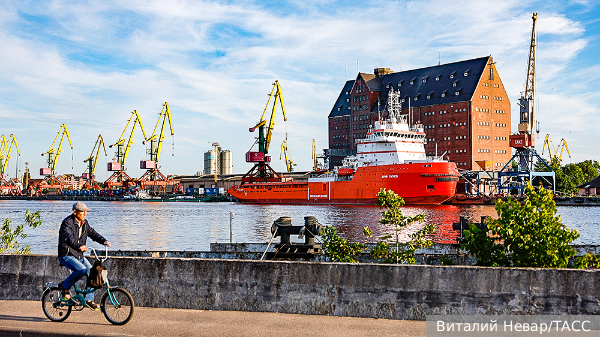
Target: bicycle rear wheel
51 300
118 306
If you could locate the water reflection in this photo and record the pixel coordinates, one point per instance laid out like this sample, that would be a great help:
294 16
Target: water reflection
193 226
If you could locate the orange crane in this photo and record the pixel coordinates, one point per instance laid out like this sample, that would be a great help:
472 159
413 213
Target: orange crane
51 183
119 178
90 177
153 176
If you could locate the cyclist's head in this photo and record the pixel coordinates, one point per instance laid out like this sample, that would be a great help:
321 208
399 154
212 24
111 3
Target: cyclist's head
80 210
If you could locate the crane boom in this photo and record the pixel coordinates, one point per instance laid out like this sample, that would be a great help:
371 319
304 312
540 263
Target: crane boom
156 140
93 160
526 101
6 146
265 140
289 164
123 153
54 154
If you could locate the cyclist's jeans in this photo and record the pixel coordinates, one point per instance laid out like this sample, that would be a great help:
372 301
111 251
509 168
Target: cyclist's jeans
80 267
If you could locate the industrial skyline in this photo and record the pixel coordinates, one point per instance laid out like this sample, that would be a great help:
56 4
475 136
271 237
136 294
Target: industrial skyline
90 65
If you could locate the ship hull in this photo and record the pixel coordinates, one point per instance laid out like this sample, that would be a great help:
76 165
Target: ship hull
428 183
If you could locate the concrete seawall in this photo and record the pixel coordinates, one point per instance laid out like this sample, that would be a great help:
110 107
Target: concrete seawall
341 289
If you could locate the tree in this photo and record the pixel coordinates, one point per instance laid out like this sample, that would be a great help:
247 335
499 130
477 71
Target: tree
396 251
10 236
527 234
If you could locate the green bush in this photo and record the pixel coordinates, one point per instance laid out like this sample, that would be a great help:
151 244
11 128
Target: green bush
527 234
338 249
9 236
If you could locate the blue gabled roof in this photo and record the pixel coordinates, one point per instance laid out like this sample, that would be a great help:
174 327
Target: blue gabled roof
425 83
342 105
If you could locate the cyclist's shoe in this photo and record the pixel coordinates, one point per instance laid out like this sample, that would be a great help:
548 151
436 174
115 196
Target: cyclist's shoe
66 296
93 306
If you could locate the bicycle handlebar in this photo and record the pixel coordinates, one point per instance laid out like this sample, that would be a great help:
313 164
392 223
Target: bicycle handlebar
100 258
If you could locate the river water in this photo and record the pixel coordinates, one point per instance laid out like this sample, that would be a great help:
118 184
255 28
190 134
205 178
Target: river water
192 226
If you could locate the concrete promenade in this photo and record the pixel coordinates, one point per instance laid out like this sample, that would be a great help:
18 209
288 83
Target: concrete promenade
25 318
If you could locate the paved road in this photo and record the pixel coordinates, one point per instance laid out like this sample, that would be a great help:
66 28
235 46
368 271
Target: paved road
25 318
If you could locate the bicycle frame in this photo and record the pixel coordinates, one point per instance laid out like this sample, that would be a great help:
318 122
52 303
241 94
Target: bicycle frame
80 294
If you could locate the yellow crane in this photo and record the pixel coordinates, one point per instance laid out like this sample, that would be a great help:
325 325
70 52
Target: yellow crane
92 160
289 164
6 146
53 154
156 139
265 140
153 176
314 156
261 170
553 152
50 182
117 166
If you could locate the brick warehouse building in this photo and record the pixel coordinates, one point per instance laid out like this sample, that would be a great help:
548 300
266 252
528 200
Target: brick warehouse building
463 107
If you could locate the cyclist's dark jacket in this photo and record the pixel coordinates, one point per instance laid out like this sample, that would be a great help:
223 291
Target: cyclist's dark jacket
69 240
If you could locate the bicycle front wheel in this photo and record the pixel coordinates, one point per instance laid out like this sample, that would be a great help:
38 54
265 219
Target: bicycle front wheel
117 306
51 304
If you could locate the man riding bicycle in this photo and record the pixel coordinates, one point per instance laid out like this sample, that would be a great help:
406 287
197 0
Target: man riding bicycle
72 237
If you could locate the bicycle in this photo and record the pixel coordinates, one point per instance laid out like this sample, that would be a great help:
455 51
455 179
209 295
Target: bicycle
117 304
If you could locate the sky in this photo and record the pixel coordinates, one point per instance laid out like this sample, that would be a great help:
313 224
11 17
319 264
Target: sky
89 64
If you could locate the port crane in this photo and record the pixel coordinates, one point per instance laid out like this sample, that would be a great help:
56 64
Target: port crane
92 160
289 164
50 181
315 158
6 146
553 151
153 176
520 169
119 178
262 172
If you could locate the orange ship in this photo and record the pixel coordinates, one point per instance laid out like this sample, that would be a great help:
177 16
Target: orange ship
391 156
